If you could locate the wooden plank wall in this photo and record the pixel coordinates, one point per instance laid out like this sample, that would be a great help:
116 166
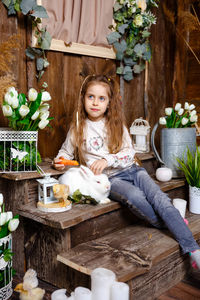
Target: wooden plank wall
64 80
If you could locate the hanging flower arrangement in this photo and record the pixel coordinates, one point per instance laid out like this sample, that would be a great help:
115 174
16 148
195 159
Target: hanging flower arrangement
130 34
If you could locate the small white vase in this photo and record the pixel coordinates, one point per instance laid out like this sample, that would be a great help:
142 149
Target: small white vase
164 174
194 197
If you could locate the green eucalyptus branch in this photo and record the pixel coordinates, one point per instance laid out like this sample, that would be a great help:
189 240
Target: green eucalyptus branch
35 13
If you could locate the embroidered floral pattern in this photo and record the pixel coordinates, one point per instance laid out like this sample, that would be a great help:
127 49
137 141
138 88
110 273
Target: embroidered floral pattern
96 142
125 159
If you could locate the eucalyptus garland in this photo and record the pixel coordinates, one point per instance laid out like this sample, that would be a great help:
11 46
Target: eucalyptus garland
130 35
36 13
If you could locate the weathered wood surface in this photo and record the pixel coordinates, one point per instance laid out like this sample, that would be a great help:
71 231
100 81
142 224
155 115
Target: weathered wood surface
181 291
128 252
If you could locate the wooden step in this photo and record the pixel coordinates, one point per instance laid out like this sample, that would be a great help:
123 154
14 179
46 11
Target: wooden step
132 251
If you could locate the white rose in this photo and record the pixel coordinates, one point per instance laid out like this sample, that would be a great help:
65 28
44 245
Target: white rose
12 91
184 121
44 115
191 107
9 216
193 118
177 106
46 96
35 115
162 121
15 102
32 94
43 123
13 224
142 4
180 112
3 217
168 111
24 110
186 105
1 199
7 110
138 20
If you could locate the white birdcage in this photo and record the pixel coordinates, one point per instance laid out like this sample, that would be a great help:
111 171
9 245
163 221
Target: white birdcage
140 130
45 189
18 150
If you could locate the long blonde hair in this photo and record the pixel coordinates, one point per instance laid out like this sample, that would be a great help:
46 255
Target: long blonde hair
114 115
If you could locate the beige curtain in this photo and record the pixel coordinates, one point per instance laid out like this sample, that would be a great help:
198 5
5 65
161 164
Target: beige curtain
80 21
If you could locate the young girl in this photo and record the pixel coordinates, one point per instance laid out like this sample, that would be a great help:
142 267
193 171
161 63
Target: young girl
101 140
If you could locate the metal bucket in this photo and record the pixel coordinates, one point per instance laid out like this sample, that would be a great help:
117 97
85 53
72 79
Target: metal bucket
174 143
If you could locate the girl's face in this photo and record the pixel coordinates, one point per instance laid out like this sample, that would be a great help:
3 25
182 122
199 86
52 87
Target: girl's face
96 101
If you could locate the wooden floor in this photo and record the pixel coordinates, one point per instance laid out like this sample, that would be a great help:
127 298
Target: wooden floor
188 289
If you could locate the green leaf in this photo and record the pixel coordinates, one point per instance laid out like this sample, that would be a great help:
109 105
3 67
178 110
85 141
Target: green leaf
120 70
140 49
137 69
128 61
117 6
27 5
120 47
113 37
40 64
32 53
39 12
11 8
119 55
46 40
146 34
122 28
6 2
128 73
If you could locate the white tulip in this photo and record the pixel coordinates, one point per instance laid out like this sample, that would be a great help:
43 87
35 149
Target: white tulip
12 91
13 224
24 110
9 216
7 110
168 111
44 115
46 96
1 199
186 105
35 115
44 107
193 118
180 112
3 217
177 106
184 121
8 98
43 123
162 121
15 102
191 107
32 94
193 112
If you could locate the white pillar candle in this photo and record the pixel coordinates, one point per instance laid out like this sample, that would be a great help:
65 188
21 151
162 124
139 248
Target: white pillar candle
180 204
82 293
102 279
140 140
59 295
119 291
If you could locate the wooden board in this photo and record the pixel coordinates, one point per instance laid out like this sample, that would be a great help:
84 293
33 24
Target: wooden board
128 252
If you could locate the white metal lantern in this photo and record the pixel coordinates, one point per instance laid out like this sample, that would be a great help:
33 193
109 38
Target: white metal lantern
140 130
45 189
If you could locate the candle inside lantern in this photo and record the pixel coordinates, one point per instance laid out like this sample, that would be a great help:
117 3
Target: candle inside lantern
82 293
119 291
102 279
140 140
180 204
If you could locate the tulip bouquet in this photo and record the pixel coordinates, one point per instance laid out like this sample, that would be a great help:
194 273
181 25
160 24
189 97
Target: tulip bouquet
179 117
26 113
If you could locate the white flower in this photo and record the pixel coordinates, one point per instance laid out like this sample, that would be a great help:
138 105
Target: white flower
9 215
193 112
12 91
13 224
186 105
133 9
44 115
35 115
8 98
44 107
3 217
46 96
15 102
7 110
193 118
184 121
168 111
181 111
138 20
1 199
43 123
24 110
162 121
177 106
191 107
32 94
142 4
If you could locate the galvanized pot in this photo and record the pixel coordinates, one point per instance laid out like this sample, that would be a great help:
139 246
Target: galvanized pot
174 143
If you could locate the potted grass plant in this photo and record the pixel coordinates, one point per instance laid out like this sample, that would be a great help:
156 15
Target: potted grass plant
190 165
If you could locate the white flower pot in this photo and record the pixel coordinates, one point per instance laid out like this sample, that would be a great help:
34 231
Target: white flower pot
194 199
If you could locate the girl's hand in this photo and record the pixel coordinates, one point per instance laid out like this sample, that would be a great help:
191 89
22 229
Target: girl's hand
57 165
98 166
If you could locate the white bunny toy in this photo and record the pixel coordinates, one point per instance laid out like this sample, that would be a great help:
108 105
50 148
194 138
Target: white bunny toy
82 178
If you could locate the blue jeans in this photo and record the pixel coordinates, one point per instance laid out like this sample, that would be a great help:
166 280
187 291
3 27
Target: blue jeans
137 190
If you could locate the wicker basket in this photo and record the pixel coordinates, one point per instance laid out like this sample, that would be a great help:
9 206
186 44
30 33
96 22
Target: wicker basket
18 150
